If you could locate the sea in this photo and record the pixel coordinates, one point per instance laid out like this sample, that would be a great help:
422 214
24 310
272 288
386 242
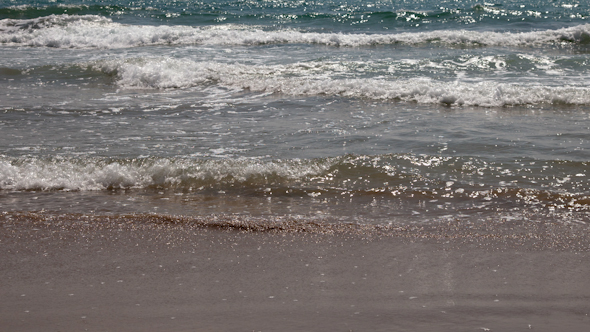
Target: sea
372 112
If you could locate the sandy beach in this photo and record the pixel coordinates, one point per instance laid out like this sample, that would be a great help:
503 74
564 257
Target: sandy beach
358 165
65 273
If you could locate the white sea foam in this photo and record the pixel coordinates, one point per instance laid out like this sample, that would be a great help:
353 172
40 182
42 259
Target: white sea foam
301 79
90 31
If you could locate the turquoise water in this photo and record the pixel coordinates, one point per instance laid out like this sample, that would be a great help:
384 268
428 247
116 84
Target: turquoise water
323 16
347 111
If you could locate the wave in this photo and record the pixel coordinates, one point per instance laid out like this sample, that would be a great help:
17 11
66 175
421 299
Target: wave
30 173
289 13
196 12
330 78
92 31
553 185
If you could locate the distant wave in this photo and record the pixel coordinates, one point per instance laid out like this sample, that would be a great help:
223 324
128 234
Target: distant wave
92 31
305 79
287 12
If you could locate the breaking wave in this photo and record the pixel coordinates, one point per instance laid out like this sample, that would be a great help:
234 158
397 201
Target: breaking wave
93 31
302 79
429 180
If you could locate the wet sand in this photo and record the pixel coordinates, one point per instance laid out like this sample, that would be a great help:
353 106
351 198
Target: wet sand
124 274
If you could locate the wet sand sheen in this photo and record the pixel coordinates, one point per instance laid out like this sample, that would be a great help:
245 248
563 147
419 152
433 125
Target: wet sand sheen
156 273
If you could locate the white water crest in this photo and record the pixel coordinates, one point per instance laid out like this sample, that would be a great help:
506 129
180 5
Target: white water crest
304 79
100 174
91 31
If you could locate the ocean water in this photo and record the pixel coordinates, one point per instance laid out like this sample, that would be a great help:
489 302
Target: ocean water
370 112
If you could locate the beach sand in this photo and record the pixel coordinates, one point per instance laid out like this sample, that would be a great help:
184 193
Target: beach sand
75 273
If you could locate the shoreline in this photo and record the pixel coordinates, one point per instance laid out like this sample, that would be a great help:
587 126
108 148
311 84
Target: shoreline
66 274
489 233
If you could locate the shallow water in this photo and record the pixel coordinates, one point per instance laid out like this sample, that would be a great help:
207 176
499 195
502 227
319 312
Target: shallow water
370 112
